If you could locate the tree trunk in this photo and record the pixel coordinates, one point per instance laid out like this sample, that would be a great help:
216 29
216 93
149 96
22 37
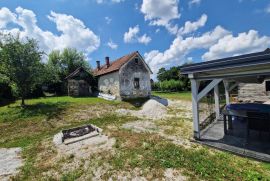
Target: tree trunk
22 104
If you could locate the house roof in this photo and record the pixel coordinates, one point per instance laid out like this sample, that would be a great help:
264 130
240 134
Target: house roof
231 66
116 64
75 73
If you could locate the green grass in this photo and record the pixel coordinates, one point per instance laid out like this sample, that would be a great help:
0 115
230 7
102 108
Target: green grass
42 117
149 151
46 108
173 95
30 127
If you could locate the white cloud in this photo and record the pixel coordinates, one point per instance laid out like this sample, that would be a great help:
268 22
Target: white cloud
132 36
235 45
108 20
73 32
194 2
193 26
180 47
161 13
144 39
109 1
112 45
6 16
117 1
267 9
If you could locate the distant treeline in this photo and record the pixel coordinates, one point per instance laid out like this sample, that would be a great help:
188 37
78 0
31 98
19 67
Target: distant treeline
171 80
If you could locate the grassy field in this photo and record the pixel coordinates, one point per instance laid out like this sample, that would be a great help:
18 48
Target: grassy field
173 95
33 127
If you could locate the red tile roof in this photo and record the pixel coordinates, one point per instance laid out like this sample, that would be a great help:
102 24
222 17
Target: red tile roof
115 65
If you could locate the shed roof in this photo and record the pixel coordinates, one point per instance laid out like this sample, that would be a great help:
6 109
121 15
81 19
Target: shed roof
76 72
117 64
237 66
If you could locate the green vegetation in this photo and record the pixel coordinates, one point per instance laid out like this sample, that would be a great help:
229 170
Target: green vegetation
20 64
151 151
24 75
42 117
173 95
60 65
171 80
33 127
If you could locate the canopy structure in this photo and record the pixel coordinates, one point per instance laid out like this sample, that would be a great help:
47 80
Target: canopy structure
249 68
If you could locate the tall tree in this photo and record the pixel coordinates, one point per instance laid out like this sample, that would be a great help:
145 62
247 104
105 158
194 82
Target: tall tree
20 63
67 61
166 76
61 64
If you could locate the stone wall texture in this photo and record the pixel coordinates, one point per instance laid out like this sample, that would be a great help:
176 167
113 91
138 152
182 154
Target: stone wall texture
252 92
134 69
109 83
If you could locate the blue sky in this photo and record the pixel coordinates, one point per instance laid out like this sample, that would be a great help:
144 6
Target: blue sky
165 32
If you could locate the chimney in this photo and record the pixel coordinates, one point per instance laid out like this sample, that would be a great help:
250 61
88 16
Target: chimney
98 64
107 59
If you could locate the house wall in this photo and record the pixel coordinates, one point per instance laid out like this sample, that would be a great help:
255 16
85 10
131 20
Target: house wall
127 74
252 92
73 87
109 83
78 88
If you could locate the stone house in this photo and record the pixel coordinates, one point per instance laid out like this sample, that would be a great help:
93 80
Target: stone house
254 92
127 77
80 83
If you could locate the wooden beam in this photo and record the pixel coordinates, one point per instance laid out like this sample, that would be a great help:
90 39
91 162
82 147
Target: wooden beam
195 108
227 92
216 95
233 86
208 88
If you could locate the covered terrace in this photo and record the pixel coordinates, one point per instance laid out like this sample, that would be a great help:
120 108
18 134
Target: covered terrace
232 129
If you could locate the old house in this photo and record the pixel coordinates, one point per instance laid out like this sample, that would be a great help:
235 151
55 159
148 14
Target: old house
79 83
127 77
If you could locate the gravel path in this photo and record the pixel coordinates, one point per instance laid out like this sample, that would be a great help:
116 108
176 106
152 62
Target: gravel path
10 161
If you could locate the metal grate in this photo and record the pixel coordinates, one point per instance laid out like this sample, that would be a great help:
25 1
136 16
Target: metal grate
77 132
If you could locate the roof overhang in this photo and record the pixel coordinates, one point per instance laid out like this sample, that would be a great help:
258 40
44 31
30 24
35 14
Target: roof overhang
247 68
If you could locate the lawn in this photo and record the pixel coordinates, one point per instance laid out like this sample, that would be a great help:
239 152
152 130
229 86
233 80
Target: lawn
174 95
144 154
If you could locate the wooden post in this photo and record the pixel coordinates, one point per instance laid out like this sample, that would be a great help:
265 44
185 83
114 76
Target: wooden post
195 108
227 93
216 95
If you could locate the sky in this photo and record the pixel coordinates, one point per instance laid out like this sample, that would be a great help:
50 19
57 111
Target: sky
166 32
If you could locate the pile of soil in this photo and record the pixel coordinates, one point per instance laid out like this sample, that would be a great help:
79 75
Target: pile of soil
152 109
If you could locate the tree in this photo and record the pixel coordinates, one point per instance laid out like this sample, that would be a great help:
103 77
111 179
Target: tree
61 64
21 63
165 78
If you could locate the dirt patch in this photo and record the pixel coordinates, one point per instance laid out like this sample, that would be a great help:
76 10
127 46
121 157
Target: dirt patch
10 162
141 126
84 148
152 127
173 175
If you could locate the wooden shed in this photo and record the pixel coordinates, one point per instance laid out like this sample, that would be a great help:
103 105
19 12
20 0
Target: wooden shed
80 83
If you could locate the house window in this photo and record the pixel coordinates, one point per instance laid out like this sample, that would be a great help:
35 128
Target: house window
136 60
136 83
267 86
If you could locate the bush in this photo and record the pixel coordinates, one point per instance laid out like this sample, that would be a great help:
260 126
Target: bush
170 85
